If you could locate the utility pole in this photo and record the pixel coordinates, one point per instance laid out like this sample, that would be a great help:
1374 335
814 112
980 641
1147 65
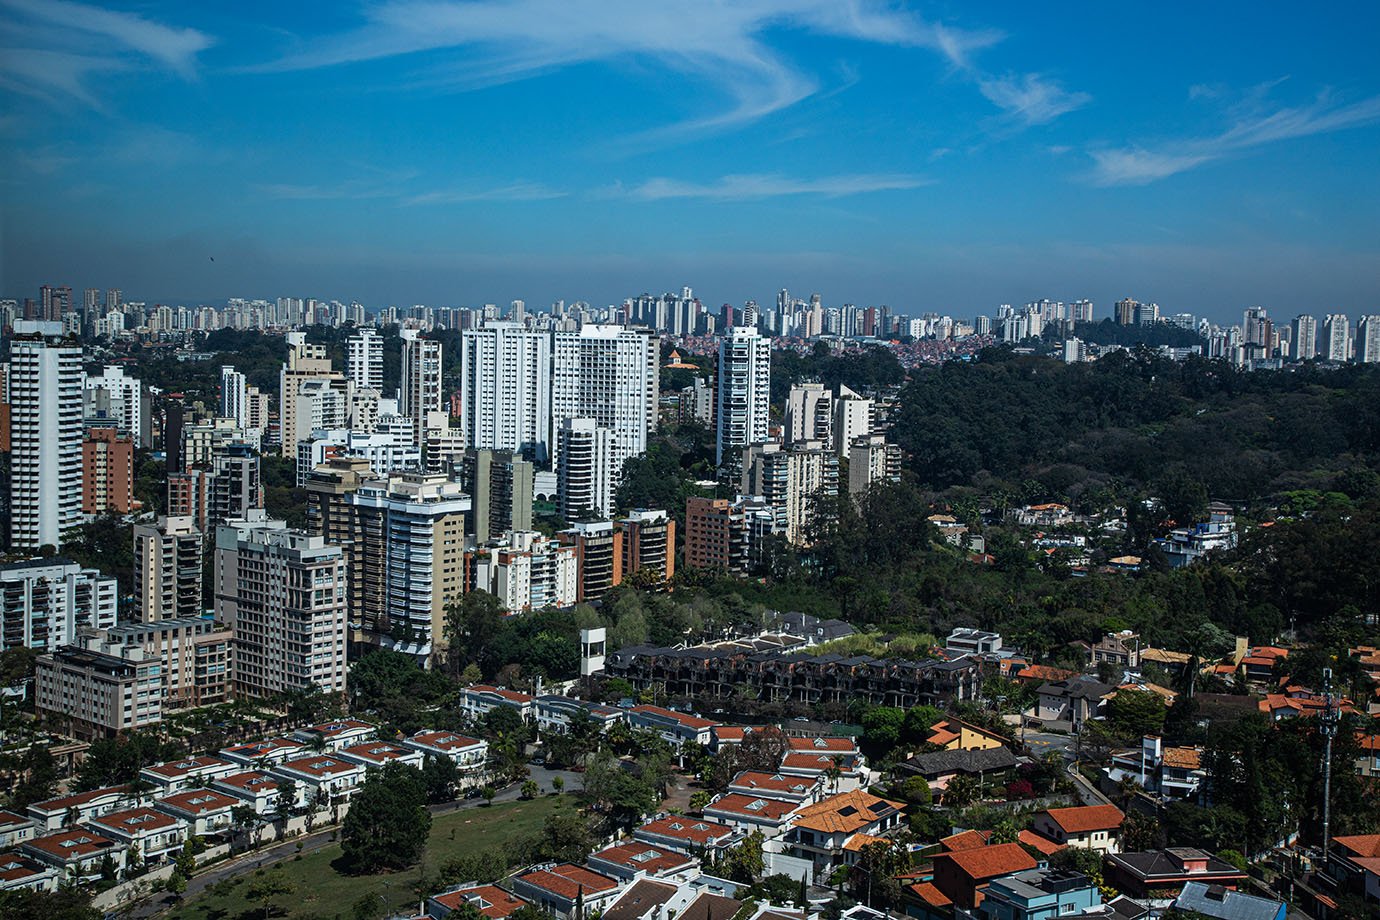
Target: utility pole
1327 725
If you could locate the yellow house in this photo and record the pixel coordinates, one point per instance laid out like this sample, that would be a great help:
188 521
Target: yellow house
953 735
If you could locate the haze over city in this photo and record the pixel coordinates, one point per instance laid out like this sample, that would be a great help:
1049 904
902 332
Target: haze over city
925 156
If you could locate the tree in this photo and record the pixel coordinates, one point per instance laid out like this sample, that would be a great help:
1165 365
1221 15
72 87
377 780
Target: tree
268 886
558 784
176 884
530 789
699 799
368 906
388 824
961 791
882 727
488 793
286 802
744 863
441 777
66 903
1135 713
566 837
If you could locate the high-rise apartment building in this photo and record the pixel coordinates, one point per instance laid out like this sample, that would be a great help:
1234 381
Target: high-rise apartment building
585 468
234 396
744 392
505 389
282 593
298 417
118 398
500 488
789 479
809 413
45 396
609 374
727 535
871 459
1305 335
364 360
1336 338
1368 339
107 471
167 569
529 572
852 419
235 486
1081 311
649 545
1126 311
598 556
44 602
420 394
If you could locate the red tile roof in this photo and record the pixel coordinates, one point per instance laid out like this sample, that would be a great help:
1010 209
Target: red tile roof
691 830
752 806
511 695
135 820
445 741
378 751
816 745
566 880
981 863
643 857
323 765
1084 818
773 782
685 719
963 840
931 895
493 902
73 843
78 799
251 781
14 867
199 801
1364 845
175 769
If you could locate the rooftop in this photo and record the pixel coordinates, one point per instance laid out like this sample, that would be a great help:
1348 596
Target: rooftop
691 830
989 862
846 812
1085 818
176 769
568 880
643 857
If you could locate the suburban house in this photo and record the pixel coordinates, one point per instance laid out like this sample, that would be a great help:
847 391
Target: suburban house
327 773
469 754
940 767
1095 827
814 766
566 889
382 753
257 789
628 861
773 785
967 840
188 773
476 701
15 829
1354 865
748 813
332 736
1042 894
157 836
67 810
490 900
1138 874
643 898
954 735
205 811
20 871
78 852
1119 649
676 728
688 835
1225 904
820 832
1074 701
1174 772
962 876
263 753
555 713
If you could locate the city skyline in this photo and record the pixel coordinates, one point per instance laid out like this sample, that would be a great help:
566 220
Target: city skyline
470 153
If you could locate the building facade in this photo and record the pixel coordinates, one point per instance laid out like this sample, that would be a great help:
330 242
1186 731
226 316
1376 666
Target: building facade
167 569
45 397
45 602
744 392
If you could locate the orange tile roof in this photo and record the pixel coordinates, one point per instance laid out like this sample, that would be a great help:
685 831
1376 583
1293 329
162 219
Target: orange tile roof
835 745
858 841
773 782
1368 742
324 765
931 895
963 840
738 804
1084 818
499 903
73 843
176 768
133 820
1183 758
801 760
1045 847
567 879
846 812
991 861
250 780
1044 672
1365 845
692 830
643 857
199 801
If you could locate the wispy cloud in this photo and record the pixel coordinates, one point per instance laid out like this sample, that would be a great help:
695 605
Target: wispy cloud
1137 165
1031 98
750 186
721 44
517 191
54 48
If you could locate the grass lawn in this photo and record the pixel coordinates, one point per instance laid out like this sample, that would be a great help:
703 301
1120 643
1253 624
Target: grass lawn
322 892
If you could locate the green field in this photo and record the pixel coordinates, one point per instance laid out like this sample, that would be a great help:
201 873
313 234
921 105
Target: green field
322 892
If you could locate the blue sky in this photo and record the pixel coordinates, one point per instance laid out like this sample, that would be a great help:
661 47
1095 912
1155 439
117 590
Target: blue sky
944 156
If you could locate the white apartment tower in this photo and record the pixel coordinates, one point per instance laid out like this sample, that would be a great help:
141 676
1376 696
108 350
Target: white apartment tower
809 413
125 399
282 593
852 419
44 602
234 396
421 377
1336 340
585 469
744 392
364 360
505 389
1368 340
167 569
1305 337
45 396
609 374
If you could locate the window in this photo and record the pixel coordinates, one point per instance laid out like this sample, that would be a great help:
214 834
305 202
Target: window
1066 908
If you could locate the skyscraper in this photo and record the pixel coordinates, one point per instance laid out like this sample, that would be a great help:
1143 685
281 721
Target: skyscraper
45 398
234 401
609 374
1126 311
364 360
505 389
1336 340
167 569
123 402
809 413
744 392
585 468
1368 340
421 376
1305 337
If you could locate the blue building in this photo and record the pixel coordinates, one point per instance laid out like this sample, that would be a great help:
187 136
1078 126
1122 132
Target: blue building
1041 894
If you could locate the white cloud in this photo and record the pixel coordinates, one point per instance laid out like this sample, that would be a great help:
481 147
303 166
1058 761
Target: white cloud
517 191
1031 98
719 43
1137 165
53 48
751 186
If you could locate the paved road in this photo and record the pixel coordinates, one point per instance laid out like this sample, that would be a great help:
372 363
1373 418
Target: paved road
278 852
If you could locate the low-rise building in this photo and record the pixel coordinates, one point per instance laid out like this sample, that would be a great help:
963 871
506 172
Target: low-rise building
1147 873
956 735
940 767
188 773
331 774
562 889
257 789
676 728
382 753
1073 701
78 852
15 829
748 813
688 835
469 754
1042 894
963 876
820 832
554 713
776 786
1222 903
266 753
1171 772
476 701
336 735
67 810
628 861
155 836
206 812
490 900
20 871
1095 827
